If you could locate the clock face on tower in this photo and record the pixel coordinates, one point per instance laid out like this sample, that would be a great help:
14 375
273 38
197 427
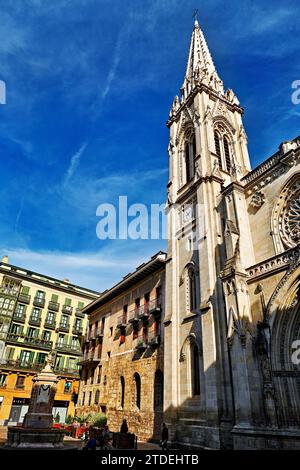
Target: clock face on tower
187 213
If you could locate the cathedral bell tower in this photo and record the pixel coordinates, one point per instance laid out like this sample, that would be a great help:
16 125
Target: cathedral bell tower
208 157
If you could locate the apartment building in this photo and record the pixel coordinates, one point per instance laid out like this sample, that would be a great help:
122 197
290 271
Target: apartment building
38 314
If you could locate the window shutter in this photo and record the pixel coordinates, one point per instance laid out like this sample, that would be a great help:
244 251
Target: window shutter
25 290
54 298
68 302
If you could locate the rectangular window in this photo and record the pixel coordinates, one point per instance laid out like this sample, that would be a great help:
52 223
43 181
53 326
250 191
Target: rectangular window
137 304
3 380
32 333
25 290
75 342
20 383
40 295
16 329
9 353
68 302
80 305
99 375
83 398
35 314
46 335
54 298
50 317
41 358
20 310
59 363
64 320
68 387
61 340
90 398
26 357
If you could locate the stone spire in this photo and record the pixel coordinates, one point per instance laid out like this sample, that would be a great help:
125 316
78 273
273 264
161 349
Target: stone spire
200 66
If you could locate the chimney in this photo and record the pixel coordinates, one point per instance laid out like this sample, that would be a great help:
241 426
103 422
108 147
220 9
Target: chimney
66 280
5 259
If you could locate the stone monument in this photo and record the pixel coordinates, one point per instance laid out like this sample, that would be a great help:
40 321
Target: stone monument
36 430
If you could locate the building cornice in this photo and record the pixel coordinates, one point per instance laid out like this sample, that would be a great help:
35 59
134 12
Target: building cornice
47 281
156 263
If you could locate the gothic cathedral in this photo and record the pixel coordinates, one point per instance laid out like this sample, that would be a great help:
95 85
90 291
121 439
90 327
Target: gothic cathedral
232 372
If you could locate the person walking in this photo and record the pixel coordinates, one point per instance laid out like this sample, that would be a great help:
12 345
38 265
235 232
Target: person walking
164 437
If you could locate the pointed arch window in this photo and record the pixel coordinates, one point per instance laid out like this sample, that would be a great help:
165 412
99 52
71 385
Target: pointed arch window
137 380
191 289
195 376
187 162
227 153
122 380
218 148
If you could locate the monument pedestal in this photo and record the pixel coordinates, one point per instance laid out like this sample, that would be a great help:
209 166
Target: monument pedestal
36 431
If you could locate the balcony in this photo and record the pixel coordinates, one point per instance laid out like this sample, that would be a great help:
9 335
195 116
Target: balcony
143 312
155 307
67 309
78 312
12 292
53 306
10 364
50 325
28 341
25 298
90 358
64 327
19 317
77 330
92 336
133 317
100 332
154 339
68 348
122 321
39 302
141 344
35 321
66 371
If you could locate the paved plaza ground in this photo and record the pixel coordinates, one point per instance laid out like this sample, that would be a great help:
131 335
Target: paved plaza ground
70 441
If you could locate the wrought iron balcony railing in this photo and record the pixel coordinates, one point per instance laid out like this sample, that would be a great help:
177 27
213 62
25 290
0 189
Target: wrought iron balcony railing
78 312
50 324
53 306
25 298
67 309
19 317
64 327
35 321
39 302
122 321
133 317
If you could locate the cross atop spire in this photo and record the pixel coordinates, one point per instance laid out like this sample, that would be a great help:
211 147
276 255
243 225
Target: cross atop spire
200 66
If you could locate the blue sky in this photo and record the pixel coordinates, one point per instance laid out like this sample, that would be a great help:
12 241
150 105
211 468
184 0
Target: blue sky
89 88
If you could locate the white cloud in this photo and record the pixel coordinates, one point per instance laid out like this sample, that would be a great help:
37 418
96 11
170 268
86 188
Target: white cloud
75 162
97 270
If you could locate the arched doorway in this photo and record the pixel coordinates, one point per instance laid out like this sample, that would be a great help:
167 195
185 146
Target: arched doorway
285 362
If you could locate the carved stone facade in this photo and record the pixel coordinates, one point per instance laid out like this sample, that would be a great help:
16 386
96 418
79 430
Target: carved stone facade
122 367
231 379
